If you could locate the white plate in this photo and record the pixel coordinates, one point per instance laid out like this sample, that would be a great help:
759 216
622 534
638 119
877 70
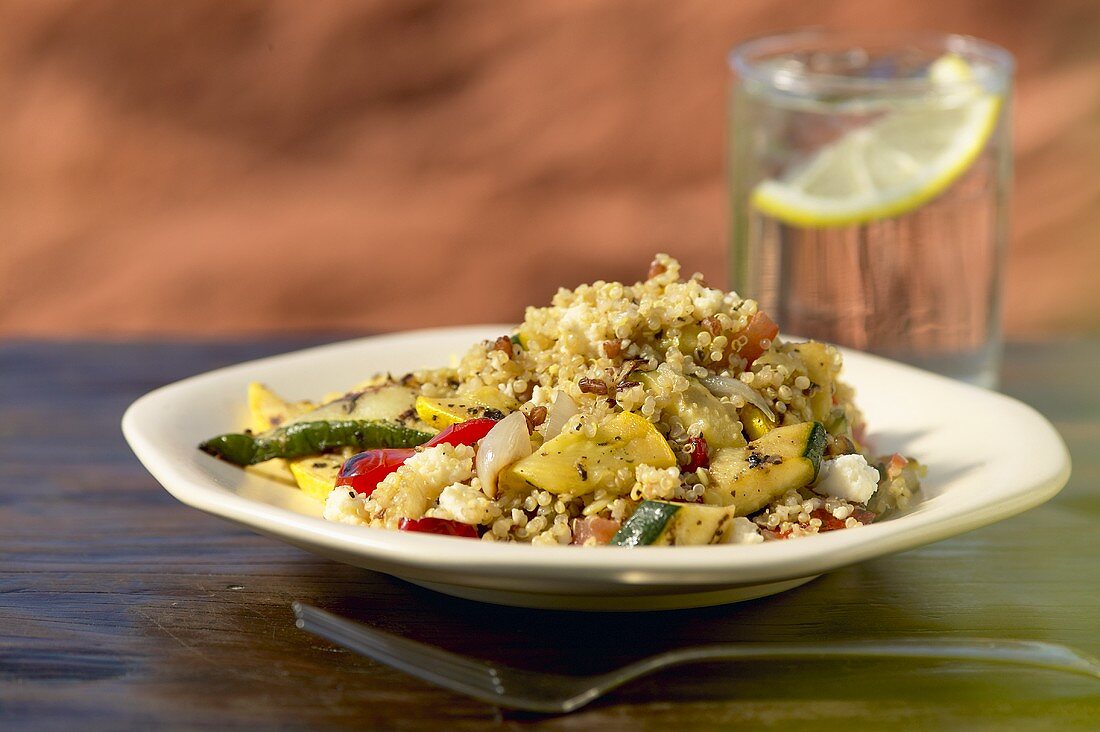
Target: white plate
989 457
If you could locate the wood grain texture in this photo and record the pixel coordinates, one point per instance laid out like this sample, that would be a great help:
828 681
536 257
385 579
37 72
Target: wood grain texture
195 170
123 609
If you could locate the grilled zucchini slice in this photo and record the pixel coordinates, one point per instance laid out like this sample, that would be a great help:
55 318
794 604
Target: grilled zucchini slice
660 523
577 464
441 412
749 478
316 475
819 368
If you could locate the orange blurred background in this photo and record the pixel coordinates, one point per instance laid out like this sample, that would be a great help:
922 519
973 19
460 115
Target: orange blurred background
214 168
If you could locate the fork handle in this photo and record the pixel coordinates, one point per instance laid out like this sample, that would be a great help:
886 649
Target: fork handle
1036 654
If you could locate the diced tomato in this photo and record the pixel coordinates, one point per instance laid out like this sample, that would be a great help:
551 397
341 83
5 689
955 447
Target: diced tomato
699 458
859 432
832 523
896 464
760 328
828 521
445 527
600 529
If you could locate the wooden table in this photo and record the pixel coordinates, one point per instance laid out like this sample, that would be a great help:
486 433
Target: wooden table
121 608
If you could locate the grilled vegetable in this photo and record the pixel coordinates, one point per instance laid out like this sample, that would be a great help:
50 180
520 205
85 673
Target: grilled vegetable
820 371
721 427
748 478
311 438
316 474
487 402
699 457
577 464
661 523
685 340
756 423
276 470
388 403
507 442
445 527
268 409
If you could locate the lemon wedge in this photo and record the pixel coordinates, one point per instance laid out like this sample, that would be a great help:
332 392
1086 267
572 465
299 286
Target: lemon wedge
893 165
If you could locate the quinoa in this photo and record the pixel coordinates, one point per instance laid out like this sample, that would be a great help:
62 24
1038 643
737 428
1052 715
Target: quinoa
614 348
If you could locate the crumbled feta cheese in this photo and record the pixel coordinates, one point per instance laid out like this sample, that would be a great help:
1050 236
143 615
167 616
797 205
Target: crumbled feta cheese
577 321
745 532
848 477
466 504
346 507
707 302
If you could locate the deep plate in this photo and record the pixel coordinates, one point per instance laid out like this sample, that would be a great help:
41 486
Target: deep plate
989 457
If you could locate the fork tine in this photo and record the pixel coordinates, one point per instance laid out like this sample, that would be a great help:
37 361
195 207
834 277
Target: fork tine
416 659
390 643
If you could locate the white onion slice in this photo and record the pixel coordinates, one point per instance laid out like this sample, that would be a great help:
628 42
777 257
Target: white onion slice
506 443
561 411
728 386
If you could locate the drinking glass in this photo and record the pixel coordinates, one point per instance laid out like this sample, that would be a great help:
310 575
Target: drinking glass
869 180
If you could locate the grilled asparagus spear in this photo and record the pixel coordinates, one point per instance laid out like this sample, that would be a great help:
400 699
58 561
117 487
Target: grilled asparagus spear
312 438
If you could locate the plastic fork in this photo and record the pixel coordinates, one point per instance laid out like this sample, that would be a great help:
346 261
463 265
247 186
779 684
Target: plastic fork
535 691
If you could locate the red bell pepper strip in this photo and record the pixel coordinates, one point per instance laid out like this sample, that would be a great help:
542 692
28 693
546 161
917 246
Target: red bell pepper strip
699 457
364 471
446 527
463 433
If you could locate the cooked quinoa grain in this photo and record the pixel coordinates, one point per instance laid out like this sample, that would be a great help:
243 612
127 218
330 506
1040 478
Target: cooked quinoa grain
666 392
